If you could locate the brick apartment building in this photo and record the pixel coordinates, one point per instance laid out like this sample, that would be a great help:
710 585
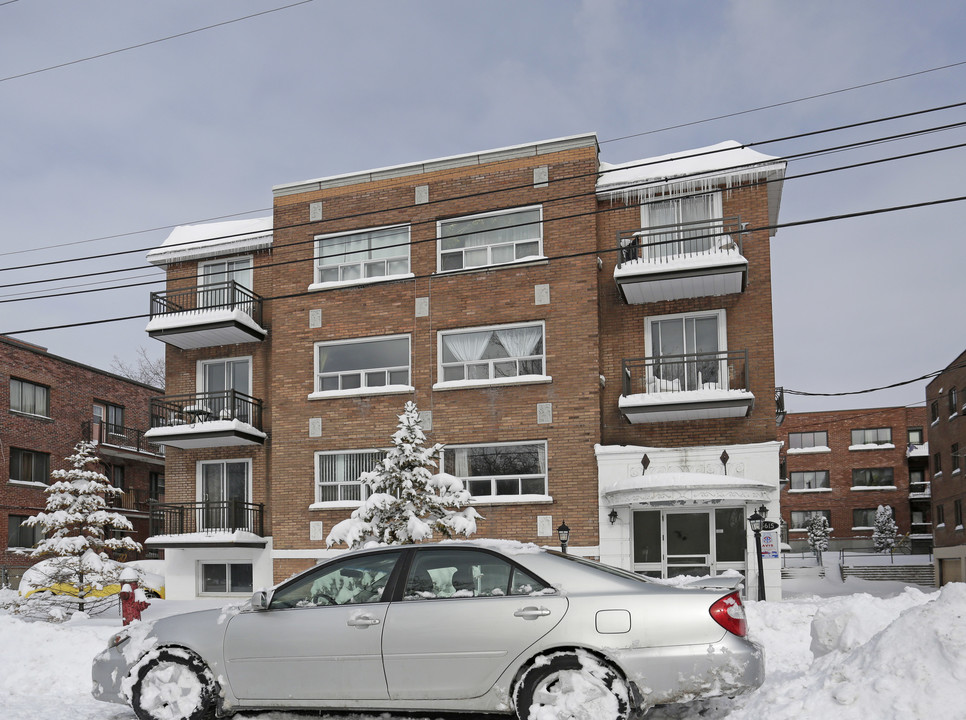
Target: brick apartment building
592 344
48 404
845 464
946 406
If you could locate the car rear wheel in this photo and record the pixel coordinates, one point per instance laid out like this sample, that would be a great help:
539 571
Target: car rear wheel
174 686
571 685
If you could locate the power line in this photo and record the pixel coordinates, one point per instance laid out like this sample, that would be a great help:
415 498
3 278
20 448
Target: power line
152 42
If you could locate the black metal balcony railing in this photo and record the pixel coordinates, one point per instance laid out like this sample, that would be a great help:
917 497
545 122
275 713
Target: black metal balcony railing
666 243
229 295
118 436
134 499
206 407
682 373
206 516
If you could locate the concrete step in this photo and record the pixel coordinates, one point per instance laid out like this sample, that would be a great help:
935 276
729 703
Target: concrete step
789 573
912 574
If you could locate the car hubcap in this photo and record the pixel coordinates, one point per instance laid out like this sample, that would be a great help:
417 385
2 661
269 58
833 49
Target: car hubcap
573 694
171 690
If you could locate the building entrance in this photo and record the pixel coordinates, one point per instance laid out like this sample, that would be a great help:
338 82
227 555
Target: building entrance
668 543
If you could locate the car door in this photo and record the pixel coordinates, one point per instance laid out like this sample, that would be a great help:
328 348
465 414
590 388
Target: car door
319 639
465 614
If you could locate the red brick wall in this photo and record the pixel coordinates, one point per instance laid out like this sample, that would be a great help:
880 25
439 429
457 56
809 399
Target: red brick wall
947 429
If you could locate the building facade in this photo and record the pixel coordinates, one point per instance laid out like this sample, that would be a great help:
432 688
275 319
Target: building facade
547 313
946 405
47 405
845 464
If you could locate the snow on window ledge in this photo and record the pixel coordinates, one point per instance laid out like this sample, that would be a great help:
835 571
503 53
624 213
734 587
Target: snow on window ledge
361 281
21 413
938 474
518 380
809 450
810 490
357 392
941 526
865 488
336 505
953 416
958 528
509 499
28 483
873 446
863 527
955 472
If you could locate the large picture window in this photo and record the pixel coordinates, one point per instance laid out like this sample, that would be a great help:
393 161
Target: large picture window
504 469
873 477
492 353
29 466
337 474
364 255
20 535
864 518
872 436
809 480
801 518
490 239
371 363
808 440
28 397
226 578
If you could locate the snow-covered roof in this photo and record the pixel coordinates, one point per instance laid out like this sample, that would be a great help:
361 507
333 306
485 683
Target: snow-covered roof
699 170
193 242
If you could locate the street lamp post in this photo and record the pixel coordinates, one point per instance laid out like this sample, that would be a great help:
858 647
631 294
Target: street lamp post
563 533
757 521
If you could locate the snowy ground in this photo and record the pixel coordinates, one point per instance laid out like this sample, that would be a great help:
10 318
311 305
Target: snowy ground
857 649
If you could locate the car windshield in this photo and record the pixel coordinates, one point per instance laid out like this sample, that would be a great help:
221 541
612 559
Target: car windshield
601 567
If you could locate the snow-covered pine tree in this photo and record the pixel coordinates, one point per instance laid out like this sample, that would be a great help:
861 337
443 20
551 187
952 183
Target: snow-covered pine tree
818 534
407 502
77 529
885 530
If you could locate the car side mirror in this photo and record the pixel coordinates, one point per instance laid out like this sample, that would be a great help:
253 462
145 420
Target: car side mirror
260 600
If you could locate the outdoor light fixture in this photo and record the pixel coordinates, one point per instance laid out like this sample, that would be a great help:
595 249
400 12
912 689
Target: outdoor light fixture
563 532
612 516
757 521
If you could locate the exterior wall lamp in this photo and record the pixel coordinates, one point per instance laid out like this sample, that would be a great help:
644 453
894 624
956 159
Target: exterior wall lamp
612 516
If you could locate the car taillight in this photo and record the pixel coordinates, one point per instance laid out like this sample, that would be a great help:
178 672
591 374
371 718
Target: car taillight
729 613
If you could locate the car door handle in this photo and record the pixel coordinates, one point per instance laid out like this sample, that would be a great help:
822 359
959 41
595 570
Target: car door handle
531 613
363 622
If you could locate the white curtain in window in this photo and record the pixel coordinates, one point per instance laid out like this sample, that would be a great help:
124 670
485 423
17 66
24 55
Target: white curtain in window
520 342
467 347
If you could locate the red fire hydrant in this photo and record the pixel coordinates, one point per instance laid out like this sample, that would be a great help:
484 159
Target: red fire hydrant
133 599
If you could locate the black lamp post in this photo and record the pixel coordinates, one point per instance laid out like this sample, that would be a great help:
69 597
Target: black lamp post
757 520
563 532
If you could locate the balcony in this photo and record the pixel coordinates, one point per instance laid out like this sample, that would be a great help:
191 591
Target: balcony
125 443
696 386
223 523
223 313
205 420
683 260
920 490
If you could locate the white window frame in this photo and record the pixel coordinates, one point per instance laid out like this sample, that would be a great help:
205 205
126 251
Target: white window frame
804 489
201 364
199 476
722 321
200 569
218 298
675 247
493 496
363 389
443 384
489 247
340 484
404 252
809 513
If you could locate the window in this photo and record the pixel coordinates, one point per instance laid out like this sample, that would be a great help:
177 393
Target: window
437 574
492 353
872 477
363 255
20 535
872 436
803 440
28 397
218 280
934 411
223 578
29 466
800 518
505 469
916 436
117 476
958 513
937 463
917 481
940 516
684 352
490 239
354 580
954 461
953 402
809 480
224 490
156 486
337 474
372 363
218 379
108 421
864 518
689 225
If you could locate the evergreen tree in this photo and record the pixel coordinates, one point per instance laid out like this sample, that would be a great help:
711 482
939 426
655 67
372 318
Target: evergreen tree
885 530
77 529
818 534
407 502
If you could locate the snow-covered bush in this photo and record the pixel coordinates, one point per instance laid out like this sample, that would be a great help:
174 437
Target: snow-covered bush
818 534
885 530
407 502
78 533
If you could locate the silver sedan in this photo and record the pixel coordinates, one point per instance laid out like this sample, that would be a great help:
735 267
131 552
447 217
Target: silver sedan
479 627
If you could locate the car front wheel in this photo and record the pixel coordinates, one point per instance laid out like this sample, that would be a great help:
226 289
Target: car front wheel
571 685
174 686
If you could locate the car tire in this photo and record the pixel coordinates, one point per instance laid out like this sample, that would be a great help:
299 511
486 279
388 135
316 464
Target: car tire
568 685
175 685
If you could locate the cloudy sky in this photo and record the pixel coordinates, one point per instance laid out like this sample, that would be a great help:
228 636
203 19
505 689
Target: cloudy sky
102 156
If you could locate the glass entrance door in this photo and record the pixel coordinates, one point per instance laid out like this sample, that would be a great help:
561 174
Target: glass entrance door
688 543
667 543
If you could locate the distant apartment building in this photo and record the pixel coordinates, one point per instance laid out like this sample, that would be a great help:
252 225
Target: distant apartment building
591 343
47 405
946 406
845 464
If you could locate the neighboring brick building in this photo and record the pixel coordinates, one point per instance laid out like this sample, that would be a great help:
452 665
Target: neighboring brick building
844 464
47 405
946 407
524 300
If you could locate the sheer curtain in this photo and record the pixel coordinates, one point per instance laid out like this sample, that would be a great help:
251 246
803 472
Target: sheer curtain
520 342
467 347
